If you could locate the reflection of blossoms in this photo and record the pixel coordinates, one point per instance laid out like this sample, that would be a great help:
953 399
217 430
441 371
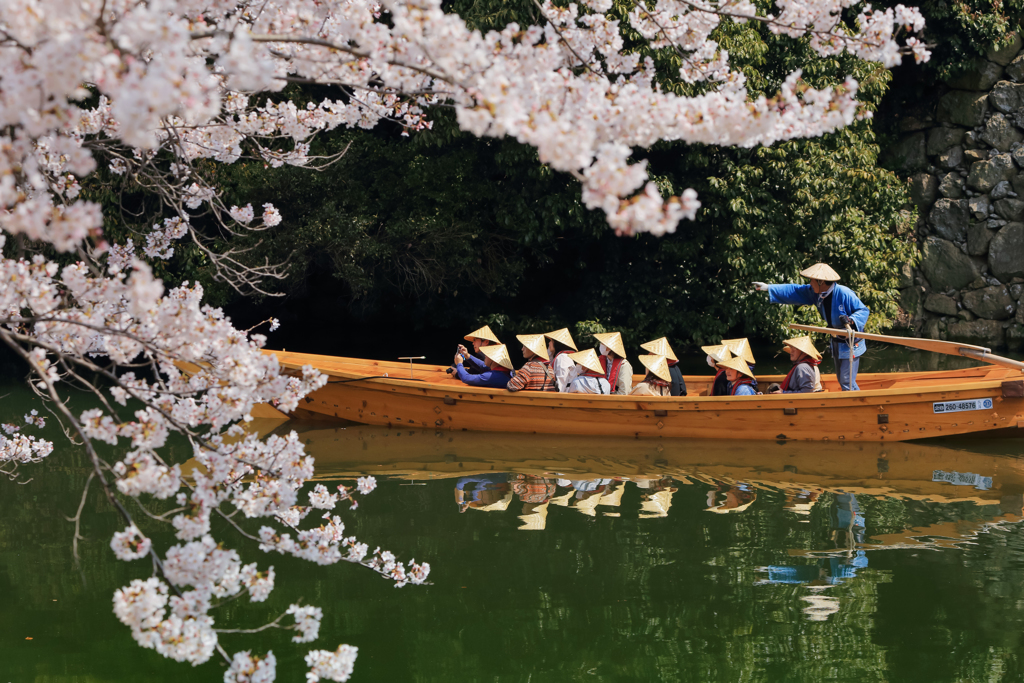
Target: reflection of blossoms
331 666
366 485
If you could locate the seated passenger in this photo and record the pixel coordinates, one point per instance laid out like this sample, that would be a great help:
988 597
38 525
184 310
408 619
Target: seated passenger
480 338
497 374
535 375
717 354
658 381
804 377
741 348
617 369
560 345
741 379
588 375
660 347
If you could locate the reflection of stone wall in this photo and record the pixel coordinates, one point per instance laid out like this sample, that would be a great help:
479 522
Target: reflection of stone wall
967 166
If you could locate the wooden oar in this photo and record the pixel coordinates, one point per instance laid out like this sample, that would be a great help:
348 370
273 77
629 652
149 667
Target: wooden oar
948 348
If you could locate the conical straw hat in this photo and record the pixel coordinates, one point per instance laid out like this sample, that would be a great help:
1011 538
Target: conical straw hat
498 353
562 336
820 271
739 365
613 340
658 365
741 348
804 344
660 347
483 333
534 342
718 353
589 359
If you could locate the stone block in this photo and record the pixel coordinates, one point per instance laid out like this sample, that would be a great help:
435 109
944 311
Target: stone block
1015 292
949 218
1000 133
973 155
985 175
1005 54
1007 97
923 190
910 301
945 266
930 328
942 138
1010 209
906 276
966 315
982 75
963 108
990 303
951 158
1015 69
988 333
951 186
1001 190
1006 252
941 304
978 238
1015 337
979 207
1018 184
908 154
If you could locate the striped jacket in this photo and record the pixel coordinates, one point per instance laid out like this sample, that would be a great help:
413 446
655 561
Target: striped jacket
534 376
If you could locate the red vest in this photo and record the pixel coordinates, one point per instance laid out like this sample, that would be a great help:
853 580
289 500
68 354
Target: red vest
611 370
810 361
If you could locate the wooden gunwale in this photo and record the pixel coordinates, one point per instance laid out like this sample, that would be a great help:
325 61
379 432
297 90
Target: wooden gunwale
896 413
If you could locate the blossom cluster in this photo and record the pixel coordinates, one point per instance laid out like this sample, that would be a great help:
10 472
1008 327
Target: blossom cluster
171 83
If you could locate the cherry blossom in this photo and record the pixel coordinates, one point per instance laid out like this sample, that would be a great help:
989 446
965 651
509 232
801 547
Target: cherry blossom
150 95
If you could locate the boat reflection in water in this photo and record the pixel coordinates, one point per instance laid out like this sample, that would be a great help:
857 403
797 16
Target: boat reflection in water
922 495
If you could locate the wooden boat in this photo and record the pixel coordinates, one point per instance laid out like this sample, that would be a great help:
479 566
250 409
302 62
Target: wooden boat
890 406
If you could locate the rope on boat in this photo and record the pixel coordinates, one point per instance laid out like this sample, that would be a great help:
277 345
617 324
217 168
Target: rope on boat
360 379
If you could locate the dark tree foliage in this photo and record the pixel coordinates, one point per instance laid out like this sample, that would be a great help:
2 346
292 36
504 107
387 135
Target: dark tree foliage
440 231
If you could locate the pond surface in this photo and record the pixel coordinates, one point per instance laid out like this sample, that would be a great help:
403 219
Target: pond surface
576 559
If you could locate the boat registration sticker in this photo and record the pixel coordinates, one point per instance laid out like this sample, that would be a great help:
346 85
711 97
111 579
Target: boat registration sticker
961 406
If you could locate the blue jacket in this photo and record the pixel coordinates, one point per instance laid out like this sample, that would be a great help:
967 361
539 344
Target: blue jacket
844 302
745 390
497 379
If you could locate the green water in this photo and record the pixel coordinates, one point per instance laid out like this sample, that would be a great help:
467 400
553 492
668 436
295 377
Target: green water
856 571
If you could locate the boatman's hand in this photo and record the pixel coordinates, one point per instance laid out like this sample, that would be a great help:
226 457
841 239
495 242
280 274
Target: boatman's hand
844 320
760 287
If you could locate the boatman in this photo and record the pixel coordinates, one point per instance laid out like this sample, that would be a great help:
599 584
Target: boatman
838 305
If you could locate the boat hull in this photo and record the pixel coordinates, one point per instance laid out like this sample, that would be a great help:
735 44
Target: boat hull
903 410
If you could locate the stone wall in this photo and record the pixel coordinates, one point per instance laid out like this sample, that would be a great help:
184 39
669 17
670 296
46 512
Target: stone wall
965 156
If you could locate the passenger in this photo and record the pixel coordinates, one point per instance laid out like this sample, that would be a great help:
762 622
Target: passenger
482 491
660 347
536 374
617 369
716 355
658 381
480 338
804 377
560 345
741 379
741 348
497 374
839 306
588 376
